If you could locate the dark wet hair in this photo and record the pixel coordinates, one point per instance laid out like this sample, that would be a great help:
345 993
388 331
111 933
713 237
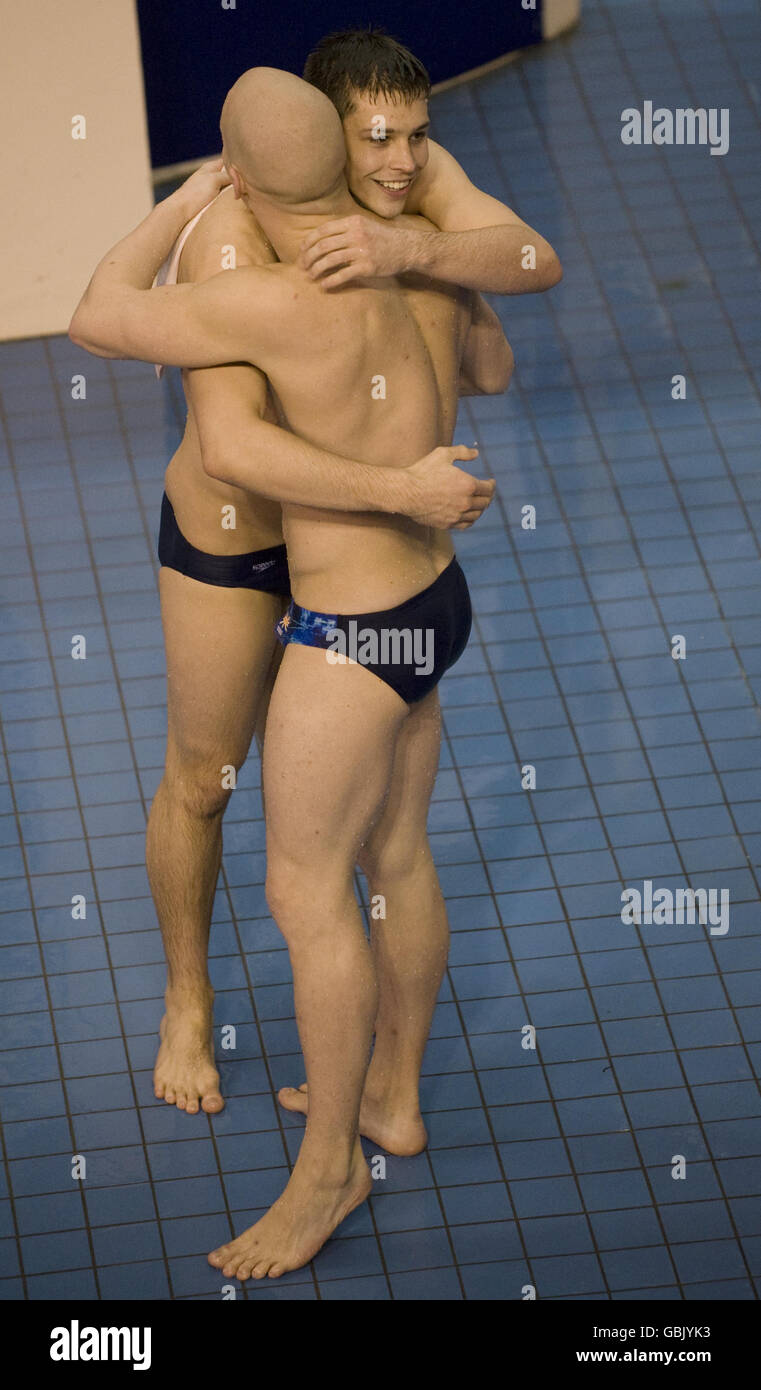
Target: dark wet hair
367 61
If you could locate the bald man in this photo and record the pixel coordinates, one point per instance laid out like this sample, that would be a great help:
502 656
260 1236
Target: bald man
380 610
219 582
223 584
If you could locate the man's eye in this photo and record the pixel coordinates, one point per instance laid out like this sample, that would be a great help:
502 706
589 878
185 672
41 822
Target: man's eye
420 136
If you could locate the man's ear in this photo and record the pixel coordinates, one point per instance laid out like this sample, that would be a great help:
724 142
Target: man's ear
239 186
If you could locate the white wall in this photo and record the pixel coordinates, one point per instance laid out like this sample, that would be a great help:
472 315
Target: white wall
66 201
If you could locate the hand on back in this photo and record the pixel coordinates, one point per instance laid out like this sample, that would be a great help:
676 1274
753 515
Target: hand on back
447 497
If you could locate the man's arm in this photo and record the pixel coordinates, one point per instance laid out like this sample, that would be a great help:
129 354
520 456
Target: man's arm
480 244
487 361
211 323
241 448
180 325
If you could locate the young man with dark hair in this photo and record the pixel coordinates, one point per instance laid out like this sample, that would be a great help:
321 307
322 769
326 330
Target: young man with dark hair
381 92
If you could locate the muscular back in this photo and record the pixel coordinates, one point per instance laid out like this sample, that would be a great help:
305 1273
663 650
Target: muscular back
371 372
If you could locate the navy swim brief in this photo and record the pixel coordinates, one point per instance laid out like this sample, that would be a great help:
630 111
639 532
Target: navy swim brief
265 570
409 646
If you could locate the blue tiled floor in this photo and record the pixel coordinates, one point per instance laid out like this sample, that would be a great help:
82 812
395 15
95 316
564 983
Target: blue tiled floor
554 1166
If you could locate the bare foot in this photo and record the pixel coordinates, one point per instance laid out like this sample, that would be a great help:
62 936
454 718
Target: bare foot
398 1130
296 1225
185 1074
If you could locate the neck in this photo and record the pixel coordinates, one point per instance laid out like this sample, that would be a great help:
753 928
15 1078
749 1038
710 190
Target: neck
286 225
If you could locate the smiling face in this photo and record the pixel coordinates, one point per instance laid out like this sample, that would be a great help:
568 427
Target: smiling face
387 147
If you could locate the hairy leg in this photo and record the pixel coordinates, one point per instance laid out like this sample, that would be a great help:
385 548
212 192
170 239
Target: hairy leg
409 944
328 756
219 646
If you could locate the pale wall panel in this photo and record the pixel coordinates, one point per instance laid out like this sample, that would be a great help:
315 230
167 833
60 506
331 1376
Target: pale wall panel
66 201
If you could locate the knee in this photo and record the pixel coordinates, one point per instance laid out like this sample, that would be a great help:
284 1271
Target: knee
304 896
202 790
289 887
395 862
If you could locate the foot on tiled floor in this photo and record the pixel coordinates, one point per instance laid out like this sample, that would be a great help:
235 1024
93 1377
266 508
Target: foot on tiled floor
185 1074
397 1131
298 1224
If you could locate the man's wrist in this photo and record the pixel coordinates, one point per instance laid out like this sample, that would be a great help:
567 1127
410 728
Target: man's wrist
421 251
402 492
176 208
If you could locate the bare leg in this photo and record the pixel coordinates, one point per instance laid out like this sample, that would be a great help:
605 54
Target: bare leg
409 946
219 645
328 756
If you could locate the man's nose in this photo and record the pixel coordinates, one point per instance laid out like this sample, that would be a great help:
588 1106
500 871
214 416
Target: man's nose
402 159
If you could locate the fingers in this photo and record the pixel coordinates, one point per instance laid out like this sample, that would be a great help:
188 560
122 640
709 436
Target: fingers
342 277
467 519
480 501
475 509
311 256
327 229
215 166
484 487
336 259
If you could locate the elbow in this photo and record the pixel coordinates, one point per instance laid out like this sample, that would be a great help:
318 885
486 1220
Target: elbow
214 467
508 367
497 377
553 273
77 332
84 334
213 460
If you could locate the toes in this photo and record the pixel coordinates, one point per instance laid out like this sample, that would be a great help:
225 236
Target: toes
212 1103
292 1099
243 1272
192 1106
218 1257
181 1101
259 1270
169 1096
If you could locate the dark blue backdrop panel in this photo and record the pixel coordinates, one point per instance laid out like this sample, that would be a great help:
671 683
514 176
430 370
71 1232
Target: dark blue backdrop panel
193 50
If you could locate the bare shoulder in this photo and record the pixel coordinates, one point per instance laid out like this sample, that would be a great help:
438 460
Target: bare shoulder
226 236
280 294
413 221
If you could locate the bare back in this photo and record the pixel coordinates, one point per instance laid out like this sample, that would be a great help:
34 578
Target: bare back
371 372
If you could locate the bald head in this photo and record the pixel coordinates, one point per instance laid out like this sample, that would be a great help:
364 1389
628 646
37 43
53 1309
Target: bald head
283 135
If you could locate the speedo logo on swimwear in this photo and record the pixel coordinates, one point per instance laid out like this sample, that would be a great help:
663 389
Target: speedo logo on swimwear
263 565
384 646
683 126
75 1343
